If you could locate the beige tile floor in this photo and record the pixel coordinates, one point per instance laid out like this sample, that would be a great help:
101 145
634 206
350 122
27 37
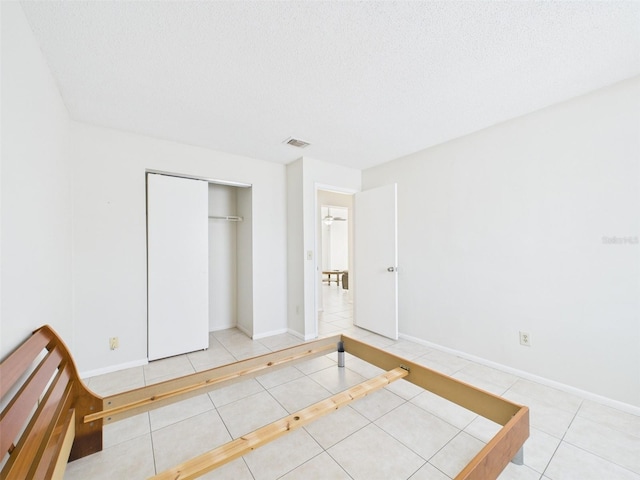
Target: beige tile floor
401 432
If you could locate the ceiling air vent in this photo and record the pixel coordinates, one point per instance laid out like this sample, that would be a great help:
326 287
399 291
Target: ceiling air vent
295 142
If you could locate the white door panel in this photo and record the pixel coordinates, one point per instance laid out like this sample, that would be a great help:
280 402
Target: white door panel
376 260
178 250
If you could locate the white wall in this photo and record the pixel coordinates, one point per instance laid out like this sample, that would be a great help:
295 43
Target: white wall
502 231
304 177
312 174
109 263
295 248
36 197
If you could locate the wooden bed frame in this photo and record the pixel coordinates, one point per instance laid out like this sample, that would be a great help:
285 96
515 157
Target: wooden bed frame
53 417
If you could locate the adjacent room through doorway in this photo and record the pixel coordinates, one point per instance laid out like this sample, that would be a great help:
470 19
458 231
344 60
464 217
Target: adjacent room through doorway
335 247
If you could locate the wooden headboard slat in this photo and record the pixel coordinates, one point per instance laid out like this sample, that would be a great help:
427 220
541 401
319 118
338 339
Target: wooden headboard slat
29 449
15 415
19 361
51 444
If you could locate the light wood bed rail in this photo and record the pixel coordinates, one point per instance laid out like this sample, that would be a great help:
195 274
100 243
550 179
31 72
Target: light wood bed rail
64 419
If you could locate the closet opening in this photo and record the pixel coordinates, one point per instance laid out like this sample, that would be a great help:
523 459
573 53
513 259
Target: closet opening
230 263
199 261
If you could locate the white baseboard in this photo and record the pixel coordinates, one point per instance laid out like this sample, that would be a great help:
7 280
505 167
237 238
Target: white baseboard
305 338
224 327
243 330
296 334
310 336
258 336
113 368
610 402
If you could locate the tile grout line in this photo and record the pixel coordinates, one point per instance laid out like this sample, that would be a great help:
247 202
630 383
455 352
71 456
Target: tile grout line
562 440
153 450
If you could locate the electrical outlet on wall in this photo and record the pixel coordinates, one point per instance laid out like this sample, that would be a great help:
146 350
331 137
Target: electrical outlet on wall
114 343
525 339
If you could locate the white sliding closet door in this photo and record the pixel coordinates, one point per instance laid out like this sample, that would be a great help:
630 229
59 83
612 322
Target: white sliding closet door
178 277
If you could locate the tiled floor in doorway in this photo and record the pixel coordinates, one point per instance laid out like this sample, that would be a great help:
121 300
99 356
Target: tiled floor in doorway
400 432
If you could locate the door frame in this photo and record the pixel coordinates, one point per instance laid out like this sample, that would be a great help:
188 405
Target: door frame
198 177
317 282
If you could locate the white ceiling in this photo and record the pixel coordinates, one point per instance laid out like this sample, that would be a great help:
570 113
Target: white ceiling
363 82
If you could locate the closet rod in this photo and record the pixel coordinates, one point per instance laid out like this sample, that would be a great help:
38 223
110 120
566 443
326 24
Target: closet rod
231 218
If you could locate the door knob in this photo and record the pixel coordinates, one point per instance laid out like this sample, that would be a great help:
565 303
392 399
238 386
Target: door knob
391 269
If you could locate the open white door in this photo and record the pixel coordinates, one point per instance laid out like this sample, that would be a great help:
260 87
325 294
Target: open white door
178 272
375 283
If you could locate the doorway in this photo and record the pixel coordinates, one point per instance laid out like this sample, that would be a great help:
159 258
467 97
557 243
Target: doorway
335 252
335 242
373 251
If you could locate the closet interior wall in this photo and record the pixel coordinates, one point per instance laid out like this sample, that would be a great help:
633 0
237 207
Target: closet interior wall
229 255
244 261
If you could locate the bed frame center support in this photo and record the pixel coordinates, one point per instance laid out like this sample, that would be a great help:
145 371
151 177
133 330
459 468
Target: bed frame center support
246 443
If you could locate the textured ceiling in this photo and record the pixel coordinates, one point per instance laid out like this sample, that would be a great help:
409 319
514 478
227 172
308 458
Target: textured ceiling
363 82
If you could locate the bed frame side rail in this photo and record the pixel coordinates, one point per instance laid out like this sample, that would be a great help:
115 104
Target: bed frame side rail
504 446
